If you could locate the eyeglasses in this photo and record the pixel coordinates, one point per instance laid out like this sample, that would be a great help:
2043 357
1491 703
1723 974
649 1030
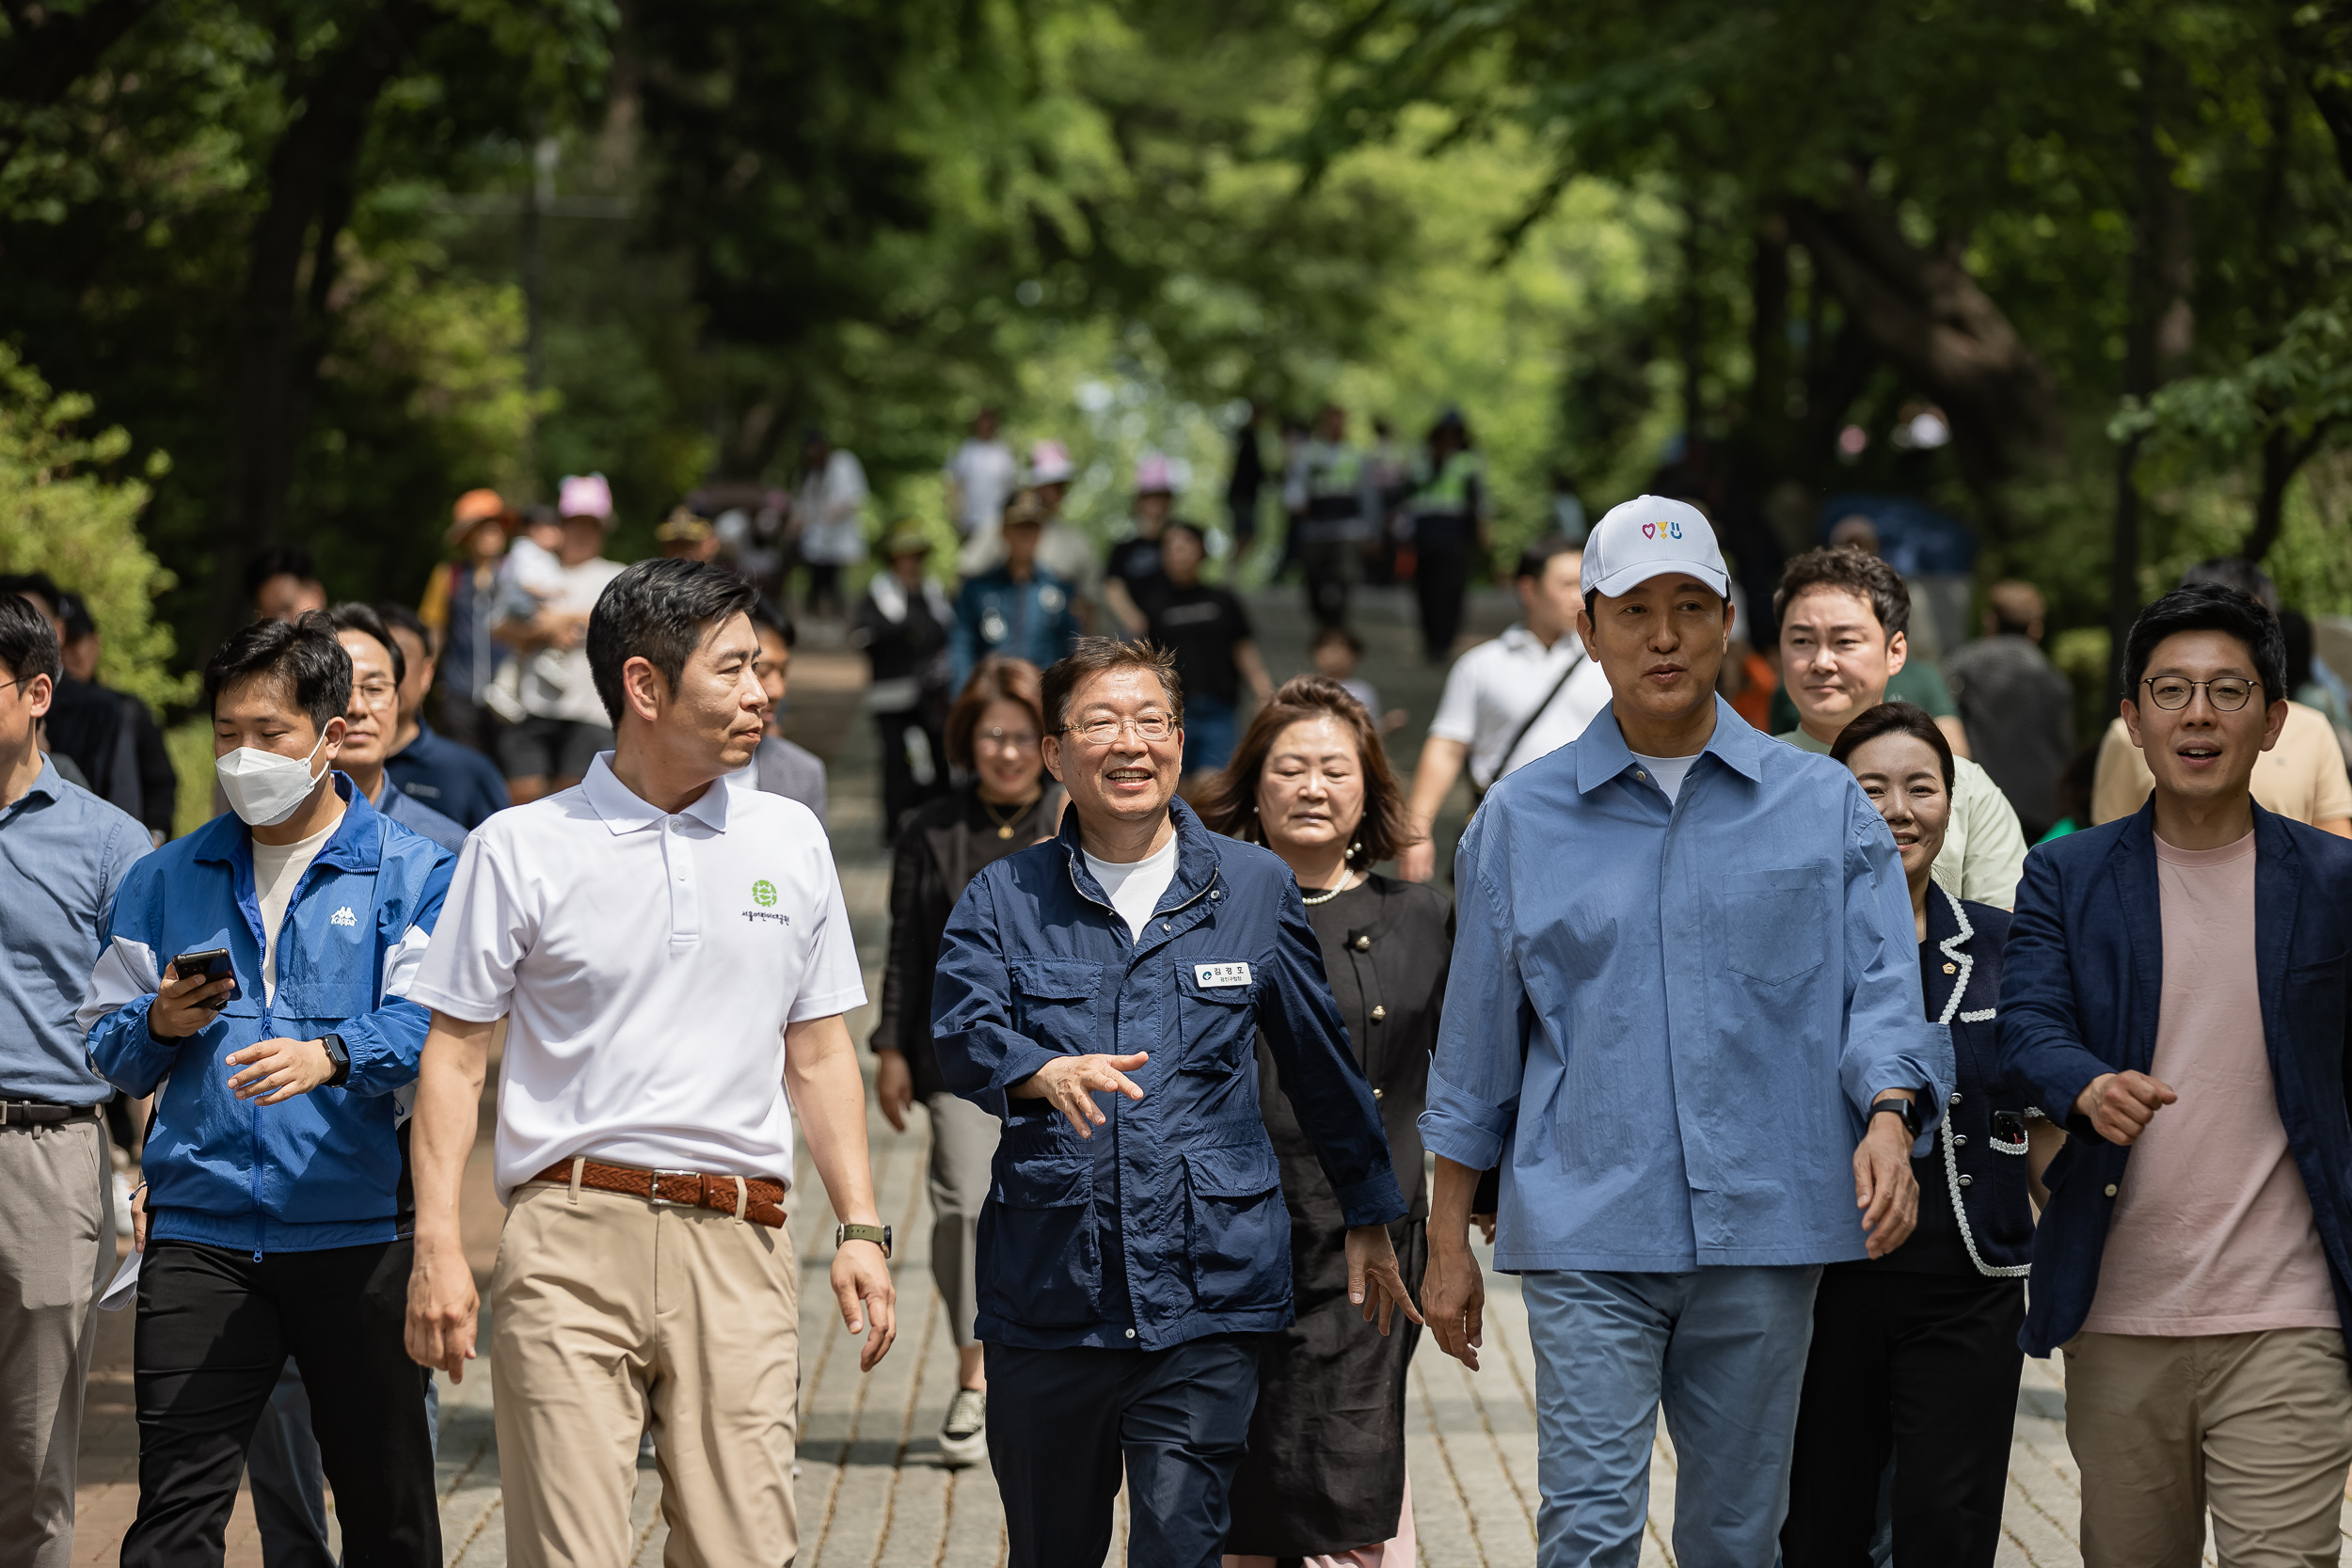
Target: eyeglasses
1007 740
379 693
1150 728
2227 693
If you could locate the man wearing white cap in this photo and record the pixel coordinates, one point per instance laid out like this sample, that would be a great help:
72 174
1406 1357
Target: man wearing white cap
564 725
1702 1064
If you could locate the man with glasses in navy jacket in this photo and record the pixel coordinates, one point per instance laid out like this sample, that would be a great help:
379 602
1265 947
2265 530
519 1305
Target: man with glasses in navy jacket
2175 991
1102 993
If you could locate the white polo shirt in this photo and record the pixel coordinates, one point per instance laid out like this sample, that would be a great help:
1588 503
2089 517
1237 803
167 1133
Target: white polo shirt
1493 687
647 965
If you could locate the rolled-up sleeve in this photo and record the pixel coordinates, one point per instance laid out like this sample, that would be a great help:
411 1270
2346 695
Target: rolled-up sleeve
1327 1089
1474 1076
1889 1042
2039 1029
980 1054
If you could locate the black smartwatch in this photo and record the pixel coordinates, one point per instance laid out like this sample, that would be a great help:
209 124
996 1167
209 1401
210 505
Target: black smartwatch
339 1054
1907 1109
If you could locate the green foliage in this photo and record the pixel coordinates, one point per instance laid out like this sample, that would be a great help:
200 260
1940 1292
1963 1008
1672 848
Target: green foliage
60 512
2299 388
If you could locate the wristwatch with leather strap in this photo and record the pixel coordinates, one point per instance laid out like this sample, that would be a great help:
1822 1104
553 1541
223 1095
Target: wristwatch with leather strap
878 1234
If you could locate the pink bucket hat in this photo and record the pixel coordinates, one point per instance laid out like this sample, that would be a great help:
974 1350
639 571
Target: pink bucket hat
585 496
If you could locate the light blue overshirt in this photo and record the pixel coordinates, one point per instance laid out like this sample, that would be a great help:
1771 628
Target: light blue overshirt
63 854
1667 1023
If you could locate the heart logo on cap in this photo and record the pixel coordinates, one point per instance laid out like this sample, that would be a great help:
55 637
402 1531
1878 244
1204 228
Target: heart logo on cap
1650 530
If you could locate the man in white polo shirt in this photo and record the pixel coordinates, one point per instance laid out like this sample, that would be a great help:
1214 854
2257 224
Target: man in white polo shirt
1509 700
673 959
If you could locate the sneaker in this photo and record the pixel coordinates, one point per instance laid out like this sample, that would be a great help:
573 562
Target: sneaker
964 1436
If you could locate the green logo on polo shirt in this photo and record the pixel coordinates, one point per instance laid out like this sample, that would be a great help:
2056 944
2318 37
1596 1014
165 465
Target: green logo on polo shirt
764 894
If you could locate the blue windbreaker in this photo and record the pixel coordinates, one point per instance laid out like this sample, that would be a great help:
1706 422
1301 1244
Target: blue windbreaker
1169 1223
324 1169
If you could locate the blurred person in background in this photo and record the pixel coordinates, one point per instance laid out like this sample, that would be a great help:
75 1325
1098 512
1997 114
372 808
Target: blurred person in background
2309 680
1016 608
1917 1351
829 515
1335 653
1207 632
779 766
563 724
158 795
2301 772
85 723
1326 1478
456 780
461 606
1393 481
1450 508
1507 701
378 670
63 854
2018 708
683 536
978 477
1334 508
283 584
1135 576
902 626
1246 481
1064 549
1006 804
1843 617
2073 794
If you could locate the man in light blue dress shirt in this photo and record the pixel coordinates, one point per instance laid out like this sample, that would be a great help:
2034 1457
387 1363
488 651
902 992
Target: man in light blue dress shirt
1685 1019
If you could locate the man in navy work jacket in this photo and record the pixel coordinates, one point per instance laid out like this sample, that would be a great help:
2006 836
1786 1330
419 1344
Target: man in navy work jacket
278 1212
2175 990
1102 993
1685 1019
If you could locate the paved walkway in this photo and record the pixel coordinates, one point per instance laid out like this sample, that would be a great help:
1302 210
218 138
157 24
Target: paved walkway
872 1491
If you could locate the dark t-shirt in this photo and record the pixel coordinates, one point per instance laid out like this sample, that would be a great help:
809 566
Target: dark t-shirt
1137 563
1200 626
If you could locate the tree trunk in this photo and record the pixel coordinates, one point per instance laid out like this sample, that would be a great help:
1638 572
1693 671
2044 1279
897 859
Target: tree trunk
282 328
2157 334
1929 318
1765 434
2284 457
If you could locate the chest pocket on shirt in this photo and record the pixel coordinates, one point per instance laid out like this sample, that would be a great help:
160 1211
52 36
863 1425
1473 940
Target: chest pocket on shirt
1055 1003
1217 1025
1776 923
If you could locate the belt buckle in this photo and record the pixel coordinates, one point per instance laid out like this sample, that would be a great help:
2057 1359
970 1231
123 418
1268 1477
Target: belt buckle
691 1179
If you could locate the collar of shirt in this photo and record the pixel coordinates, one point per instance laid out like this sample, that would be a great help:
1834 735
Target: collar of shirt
226 840
625 811
1196 869
1601 753
48 784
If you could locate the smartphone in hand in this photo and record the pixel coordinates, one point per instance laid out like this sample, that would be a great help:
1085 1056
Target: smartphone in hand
212 963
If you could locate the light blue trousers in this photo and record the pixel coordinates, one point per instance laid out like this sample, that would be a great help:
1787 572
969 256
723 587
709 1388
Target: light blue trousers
1724 1351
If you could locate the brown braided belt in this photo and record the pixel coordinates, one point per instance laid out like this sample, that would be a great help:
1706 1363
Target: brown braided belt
762 1199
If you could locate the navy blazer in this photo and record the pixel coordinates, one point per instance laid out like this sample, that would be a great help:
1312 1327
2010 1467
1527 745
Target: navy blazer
2080 997
1983 1170
1177 1197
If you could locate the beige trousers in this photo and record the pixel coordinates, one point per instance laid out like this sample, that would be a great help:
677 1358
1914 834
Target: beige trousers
2255 1427
604 1307
56 1253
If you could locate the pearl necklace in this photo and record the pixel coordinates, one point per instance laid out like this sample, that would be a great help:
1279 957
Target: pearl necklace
1328 894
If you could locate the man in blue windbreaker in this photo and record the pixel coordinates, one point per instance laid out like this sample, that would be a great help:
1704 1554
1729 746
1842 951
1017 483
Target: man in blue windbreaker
1102 993
277 1210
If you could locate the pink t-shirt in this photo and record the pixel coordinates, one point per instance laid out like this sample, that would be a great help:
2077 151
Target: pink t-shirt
2213 1230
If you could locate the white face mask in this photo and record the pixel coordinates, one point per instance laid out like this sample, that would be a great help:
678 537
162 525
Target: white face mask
265 788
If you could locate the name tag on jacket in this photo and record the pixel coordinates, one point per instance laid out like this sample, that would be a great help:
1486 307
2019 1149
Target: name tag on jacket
1207 976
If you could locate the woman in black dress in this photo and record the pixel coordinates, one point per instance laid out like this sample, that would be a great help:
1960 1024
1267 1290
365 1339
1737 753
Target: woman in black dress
1326 1478
1006 804
1915 1355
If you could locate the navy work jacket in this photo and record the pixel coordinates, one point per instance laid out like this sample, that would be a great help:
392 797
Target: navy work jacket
1180 1190
2081 988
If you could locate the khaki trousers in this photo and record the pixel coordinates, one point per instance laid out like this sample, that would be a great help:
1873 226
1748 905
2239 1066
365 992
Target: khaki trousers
605 1307
2255 1427
56 1253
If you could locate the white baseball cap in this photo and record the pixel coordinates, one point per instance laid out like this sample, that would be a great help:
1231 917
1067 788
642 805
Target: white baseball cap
1650 536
